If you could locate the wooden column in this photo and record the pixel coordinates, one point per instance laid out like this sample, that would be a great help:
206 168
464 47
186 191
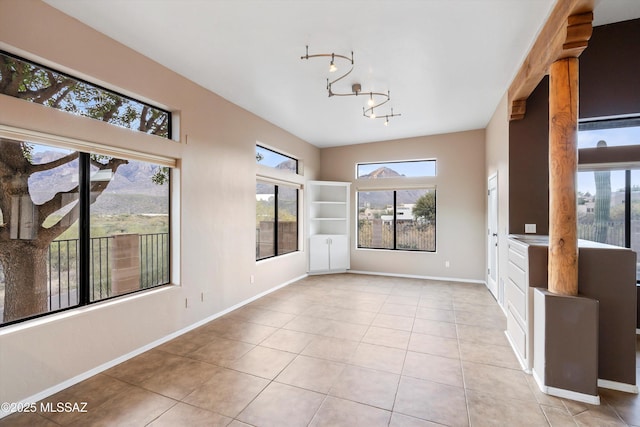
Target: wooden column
563 165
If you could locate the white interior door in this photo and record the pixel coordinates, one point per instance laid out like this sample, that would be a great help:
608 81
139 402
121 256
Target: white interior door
492 236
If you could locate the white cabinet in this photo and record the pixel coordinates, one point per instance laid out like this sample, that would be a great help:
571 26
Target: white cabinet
328 252
327 221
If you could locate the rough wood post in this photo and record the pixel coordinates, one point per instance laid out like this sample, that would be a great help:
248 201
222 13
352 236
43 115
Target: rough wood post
563 164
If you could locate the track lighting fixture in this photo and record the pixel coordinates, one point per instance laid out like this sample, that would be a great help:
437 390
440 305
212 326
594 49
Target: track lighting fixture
376 99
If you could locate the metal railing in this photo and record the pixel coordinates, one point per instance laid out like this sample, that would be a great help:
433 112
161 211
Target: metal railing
63 267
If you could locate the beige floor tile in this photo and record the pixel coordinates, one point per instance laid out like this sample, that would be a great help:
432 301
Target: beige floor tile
387 337
262 316
366 386
282 405
309 325
311 373
587 419
439 302
251 333
400 420
473 333
228 392
433 368
343 330
336 412
378 357
488 354
221 351
558 417
144 366
435 345
485 410
398 309
26 419
500 382
494 321
181 379
433 327
184 344
404 300
187 415
134 406
331 349
390 321
263 362
286 340
94 391
543 398
431 401
435 314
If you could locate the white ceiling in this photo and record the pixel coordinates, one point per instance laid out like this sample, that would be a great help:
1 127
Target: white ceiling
446 63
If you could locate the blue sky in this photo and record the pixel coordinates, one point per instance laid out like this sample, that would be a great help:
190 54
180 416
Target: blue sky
613 137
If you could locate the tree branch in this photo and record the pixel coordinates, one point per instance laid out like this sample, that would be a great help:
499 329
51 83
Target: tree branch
53 164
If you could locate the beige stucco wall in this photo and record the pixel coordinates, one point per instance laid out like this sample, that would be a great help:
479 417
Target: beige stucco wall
215 147
460 203
497 162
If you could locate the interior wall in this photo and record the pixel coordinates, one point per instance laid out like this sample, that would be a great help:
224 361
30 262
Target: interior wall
460 203
609 70
497 162
216 152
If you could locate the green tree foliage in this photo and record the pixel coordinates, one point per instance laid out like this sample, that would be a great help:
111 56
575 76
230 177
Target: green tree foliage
425 207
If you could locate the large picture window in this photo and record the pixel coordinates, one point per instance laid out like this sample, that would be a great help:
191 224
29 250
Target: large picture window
397 219
77 227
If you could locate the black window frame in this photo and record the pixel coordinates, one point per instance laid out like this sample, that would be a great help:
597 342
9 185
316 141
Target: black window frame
395 221
96 86
275 222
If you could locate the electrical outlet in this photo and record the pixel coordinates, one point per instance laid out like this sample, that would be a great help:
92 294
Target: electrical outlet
252 279
447 264
529 228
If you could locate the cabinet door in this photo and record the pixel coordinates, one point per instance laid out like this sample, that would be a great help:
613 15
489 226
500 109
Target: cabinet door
318 253
339 252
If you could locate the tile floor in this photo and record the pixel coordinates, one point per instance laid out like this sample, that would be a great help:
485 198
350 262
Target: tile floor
336 350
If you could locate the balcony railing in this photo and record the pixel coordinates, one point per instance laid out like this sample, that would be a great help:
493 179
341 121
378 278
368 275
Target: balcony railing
63 268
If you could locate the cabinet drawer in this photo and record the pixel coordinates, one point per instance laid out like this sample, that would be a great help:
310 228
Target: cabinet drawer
517 300
518 255
517 275
517 334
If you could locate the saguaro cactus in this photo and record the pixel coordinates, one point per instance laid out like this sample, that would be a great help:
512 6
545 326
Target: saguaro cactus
602 209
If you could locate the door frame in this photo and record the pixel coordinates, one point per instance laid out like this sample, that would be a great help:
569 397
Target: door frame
493 239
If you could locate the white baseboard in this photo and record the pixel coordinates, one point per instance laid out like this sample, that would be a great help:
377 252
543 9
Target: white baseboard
415 276
101 368
523 364
614 385
565 394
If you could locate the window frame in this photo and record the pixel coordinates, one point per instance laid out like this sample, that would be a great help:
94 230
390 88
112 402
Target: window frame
277 177
96 86
85 149
395 218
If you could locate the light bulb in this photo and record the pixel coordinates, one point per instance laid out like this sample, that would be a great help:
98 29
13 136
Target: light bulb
332 67
386 122
370 102
373 115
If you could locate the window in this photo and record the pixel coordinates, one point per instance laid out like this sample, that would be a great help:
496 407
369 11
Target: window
276 220
406 169
609 198
275 160
26 80
48 261
397 219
